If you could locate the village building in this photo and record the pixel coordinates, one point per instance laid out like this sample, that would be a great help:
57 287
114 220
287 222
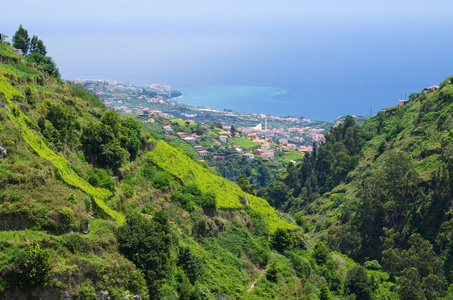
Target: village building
248 156
227 133
190 140
265 147
167 128
223 138
181 134
203 153
267 155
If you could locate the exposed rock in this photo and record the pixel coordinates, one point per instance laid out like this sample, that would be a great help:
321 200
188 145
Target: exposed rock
2 153
128 297
87 228
103 295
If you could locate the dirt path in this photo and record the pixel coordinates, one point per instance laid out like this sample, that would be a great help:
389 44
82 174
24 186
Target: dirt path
256 280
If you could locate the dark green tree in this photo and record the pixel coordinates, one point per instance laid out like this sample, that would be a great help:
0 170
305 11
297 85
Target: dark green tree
190 263
21 40
358 283
34 44
245 185
41 49
44 63
324 292
147 243
272 272
410 287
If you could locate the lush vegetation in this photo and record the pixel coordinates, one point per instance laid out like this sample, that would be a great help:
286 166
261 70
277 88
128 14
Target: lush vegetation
92 203
381 191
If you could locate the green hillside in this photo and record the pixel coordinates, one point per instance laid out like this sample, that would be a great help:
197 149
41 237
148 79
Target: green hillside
93 204
382 191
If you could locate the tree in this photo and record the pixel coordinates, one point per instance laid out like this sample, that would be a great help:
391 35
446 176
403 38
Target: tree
233 130
44 63
21 40
41 49
147 243
34 44
272 272
245 185
324 292
410 287
358 283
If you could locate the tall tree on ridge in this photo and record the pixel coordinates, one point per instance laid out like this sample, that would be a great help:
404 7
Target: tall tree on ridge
21 40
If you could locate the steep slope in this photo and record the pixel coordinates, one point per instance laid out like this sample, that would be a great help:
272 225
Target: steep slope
93 205
383 190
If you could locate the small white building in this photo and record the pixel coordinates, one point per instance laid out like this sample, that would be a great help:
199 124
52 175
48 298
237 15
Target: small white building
267 155
190 140
223 138
168 128
249 156
265 147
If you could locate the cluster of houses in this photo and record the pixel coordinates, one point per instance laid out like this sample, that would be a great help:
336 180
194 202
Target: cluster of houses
290 138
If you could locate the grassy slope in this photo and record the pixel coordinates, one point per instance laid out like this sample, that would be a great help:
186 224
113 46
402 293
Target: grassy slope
229 195
20 120
243 143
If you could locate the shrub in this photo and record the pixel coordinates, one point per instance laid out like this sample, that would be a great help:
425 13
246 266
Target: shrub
100 178
87 291
321 253
372 265
272 272
66 215
208 200
162 180
282 240
35 267
184 199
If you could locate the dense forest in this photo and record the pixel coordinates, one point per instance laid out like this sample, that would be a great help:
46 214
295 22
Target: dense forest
383 191
94 206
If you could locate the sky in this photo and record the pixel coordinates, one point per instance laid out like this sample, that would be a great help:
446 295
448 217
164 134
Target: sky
84 36
246 42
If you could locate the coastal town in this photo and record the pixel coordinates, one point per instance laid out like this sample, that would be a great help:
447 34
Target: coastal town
212 134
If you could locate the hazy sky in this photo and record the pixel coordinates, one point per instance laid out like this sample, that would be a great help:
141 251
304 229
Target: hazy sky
96 37
325 51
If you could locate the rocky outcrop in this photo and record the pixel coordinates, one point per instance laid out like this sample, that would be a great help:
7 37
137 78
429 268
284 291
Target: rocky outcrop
2 153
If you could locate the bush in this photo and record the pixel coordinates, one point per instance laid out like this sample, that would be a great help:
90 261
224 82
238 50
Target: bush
35 267
272 272
87 291
321 253
372 265
282 240
162 180
208 200
102 179
184 199
66 215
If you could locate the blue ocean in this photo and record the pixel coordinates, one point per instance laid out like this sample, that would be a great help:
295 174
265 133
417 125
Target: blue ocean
305 68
